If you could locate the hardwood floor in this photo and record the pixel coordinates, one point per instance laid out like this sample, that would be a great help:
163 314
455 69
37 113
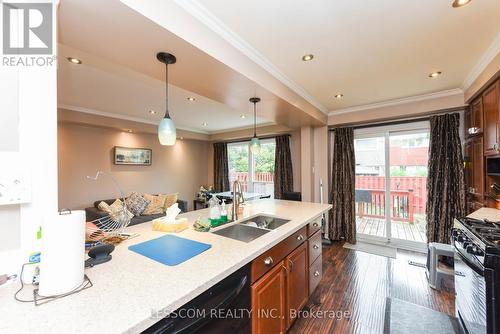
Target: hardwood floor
359 283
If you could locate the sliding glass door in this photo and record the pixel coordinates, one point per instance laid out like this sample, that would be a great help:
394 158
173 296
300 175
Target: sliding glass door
391 177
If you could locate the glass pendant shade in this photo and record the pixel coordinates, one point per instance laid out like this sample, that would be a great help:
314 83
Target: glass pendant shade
255 145
167 133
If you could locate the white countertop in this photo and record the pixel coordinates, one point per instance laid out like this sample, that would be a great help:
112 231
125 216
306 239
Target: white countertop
129 288
488 213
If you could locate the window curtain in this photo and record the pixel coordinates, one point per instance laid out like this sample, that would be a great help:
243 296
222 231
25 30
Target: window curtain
342 220
221 167
283 173
446 180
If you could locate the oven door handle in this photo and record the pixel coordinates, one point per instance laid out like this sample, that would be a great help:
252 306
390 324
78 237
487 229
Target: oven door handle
477 268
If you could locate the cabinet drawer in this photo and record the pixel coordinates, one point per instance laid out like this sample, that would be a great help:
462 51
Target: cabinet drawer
315 274
314 226
314 246
270 258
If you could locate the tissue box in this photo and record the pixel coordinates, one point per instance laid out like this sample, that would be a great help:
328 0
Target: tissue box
161 225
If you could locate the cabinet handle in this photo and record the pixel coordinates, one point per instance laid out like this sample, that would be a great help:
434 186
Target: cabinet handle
316 273
315 224
315 246
290 264
284 268
300 237
268 261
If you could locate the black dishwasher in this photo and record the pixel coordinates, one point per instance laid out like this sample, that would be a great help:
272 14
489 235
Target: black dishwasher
224 308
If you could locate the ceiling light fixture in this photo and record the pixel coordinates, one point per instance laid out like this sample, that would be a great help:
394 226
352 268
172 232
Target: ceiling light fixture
191 99
166 129
74 60
152 112
242 116
129 131
339 96
460 3
307 57
435 74
254 142
204 123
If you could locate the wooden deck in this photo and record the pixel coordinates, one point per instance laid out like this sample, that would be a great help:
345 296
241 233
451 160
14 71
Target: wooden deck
399 230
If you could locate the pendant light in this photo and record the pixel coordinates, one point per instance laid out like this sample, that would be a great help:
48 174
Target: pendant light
254 143
167 133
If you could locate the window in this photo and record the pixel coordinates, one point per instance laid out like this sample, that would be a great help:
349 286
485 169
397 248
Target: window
255 172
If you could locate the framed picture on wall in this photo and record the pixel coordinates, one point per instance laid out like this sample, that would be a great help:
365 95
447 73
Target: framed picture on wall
133 156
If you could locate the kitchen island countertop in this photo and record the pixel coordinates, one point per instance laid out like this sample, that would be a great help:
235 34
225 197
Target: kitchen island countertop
130 289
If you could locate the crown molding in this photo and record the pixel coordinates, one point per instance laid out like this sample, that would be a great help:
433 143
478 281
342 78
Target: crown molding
490 53
202 14
395 102
123 117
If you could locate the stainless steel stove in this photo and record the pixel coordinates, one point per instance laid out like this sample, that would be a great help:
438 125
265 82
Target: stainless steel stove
477 274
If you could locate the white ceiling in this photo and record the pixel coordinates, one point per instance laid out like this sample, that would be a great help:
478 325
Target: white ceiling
370 51
120 76
119 92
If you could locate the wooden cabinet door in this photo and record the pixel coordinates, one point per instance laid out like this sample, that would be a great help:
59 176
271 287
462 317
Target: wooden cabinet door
268 302
467 122
468 165
297 284
491 117
478 167
476 116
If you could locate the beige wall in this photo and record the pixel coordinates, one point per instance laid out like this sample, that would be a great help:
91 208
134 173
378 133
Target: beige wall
296 158
307 163
398 110
83 150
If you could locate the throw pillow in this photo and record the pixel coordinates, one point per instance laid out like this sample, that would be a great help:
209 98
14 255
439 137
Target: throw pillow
170 200
103 206
114 210
156 204
136 203
117 208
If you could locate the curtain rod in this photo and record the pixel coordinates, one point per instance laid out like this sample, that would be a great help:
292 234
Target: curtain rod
242 140
398 120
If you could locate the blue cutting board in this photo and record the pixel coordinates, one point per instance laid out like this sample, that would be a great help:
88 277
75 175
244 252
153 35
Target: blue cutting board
169 249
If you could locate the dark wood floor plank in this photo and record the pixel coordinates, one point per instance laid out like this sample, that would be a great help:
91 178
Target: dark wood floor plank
359 283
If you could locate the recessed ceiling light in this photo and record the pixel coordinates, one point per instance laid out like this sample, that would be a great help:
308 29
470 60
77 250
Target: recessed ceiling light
181 138
435 74
129 131
74 60
307 57
204 123
242 116
191 99
460 3
152 112
339 96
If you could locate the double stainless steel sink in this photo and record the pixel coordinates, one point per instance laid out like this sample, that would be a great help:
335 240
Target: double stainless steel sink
251 228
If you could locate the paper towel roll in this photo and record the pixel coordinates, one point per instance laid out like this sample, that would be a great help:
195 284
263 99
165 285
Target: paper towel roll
62 261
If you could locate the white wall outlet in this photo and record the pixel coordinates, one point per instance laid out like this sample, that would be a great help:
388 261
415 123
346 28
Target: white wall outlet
15 183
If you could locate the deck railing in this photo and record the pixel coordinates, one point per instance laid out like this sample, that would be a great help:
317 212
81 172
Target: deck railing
260 183
371 203
417 183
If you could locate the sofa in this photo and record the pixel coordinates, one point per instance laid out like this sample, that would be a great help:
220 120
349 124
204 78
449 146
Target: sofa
93 213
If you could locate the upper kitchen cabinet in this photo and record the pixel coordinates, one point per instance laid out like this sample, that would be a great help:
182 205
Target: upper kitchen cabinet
473 118
491 115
